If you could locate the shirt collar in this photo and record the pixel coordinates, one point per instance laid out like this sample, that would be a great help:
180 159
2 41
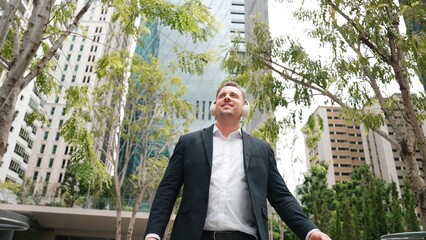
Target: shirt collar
217 131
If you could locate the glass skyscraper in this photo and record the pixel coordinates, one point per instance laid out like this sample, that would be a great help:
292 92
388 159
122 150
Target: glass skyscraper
234 19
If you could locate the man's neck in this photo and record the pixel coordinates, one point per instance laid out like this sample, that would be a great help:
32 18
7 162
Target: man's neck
227 127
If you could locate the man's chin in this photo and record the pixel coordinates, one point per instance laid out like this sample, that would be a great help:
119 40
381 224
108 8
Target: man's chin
227 114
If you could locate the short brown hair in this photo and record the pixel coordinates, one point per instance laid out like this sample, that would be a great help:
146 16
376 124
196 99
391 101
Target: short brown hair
232 84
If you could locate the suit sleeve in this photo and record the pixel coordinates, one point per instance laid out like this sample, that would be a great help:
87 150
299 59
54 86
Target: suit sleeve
284 202
167 193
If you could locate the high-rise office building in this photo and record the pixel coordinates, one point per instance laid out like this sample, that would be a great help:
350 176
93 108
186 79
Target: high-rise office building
20 144
76 62
234 18
346 146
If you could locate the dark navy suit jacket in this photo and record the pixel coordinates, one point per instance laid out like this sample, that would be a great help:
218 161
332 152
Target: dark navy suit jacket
190 167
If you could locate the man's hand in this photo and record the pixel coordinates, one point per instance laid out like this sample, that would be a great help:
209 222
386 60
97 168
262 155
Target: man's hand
317 235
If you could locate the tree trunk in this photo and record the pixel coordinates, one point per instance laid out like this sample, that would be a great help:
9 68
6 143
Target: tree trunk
282 228
417 183
137 204
118 211
408 151
14 83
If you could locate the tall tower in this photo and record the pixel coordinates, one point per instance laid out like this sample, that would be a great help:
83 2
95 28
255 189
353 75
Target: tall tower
233 16
345 146
20 144
76 62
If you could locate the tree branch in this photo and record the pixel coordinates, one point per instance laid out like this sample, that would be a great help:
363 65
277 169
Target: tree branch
46 58
401 78
363 36
268 63
6 19
4 62
16 41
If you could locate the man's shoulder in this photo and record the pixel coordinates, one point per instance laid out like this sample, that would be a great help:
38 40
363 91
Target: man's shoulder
192 134
196 134
257 141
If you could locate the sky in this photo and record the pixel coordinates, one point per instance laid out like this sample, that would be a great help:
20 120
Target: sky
291 160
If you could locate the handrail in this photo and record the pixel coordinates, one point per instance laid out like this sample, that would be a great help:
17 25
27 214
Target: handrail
13 224
405 235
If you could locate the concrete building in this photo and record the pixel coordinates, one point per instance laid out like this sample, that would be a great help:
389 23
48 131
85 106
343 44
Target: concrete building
347 145
341 144
22 137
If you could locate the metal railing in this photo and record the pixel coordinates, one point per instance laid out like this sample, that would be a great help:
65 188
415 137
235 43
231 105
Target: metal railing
405 235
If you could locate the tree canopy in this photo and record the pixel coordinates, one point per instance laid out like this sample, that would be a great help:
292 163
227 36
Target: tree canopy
368 53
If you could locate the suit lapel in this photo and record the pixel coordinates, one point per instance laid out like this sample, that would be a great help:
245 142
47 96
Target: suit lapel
247 146
207 136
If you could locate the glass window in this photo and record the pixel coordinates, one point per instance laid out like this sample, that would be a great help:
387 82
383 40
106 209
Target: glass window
38 162
42 147
46 135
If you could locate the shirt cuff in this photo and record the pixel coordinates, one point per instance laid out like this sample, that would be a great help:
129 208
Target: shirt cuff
155 236
310 232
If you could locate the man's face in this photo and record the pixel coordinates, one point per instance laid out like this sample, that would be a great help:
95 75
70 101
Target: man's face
229 102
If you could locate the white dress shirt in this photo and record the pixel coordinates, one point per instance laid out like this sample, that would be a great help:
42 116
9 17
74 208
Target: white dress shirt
229 206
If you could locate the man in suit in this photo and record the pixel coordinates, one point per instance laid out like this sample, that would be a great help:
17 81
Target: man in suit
227 178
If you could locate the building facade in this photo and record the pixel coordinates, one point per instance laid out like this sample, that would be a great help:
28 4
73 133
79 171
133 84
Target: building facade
22 136
342 145
345 146
76 62
234 17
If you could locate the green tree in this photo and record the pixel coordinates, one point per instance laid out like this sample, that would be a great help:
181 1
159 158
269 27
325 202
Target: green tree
9 191
27 46
316 197
368 53
394 214
411 224
70 188
139 122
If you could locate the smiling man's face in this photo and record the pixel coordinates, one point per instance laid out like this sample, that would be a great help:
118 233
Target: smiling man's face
229 102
